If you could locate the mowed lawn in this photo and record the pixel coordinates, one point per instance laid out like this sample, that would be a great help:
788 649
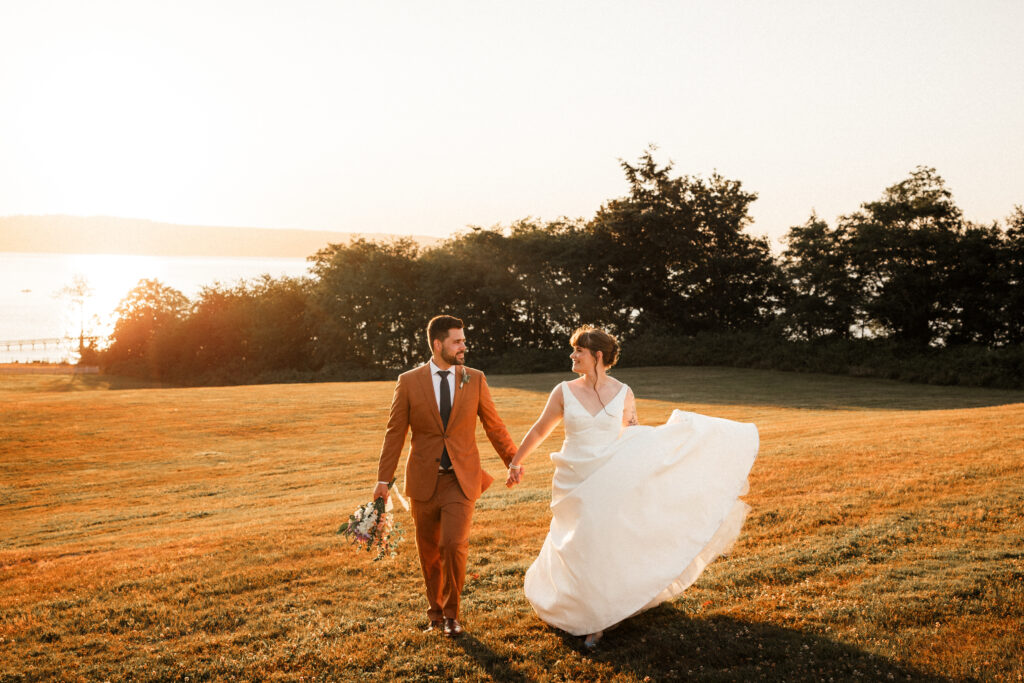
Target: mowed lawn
159 534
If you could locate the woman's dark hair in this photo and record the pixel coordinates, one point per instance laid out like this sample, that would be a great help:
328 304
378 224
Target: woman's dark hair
594 340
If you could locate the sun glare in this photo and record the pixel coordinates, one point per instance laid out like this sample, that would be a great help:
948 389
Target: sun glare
110 277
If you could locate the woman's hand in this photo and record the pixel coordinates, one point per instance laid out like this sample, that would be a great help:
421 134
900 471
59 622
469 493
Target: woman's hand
515 475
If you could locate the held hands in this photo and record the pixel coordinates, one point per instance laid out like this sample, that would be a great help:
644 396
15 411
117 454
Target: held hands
515 475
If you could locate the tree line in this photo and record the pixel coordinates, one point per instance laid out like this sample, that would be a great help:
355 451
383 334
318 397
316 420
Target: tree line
904 287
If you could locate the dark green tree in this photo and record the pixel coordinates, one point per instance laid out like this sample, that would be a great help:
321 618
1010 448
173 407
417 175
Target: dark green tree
146 311
902 251
1013 259
280 329
562 282
518 288
977 287
214 335
822 294
241 332
678 258
472 277
367 304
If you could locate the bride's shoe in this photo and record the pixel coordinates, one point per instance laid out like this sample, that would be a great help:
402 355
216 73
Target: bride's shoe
590 642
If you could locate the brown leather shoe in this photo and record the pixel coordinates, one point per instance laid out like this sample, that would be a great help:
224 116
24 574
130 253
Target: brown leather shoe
434 626
452 628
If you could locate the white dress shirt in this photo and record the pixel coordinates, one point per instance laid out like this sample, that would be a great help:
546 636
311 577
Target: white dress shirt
437 382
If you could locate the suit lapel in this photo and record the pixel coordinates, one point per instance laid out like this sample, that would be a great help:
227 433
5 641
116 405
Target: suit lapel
427 389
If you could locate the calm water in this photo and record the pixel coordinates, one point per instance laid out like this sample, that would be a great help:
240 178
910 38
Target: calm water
31 309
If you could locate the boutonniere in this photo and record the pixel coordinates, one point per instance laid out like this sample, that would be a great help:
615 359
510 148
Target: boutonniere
464 378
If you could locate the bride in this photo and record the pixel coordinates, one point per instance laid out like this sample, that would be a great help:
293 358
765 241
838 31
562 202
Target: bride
637 511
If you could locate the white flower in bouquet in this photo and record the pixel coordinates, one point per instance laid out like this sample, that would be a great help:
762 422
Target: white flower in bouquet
371 525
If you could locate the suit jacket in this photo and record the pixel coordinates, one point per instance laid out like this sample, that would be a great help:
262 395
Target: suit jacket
414 406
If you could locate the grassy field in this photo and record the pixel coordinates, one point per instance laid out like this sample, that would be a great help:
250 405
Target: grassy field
173 534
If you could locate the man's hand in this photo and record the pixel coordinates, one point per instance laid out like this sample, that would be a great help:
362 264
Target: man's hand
382 491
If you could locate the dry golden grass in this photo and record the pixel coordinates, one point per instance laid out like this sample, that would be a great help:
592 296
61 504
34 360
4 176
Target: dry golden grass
159 534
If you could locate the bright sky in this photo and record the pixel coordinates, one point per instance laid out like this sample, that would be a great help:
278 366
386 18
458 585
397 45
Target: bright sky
425 117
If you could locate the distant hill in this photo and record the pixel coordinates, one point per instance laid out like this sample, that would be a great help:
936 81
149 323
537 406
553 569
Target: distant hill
106 235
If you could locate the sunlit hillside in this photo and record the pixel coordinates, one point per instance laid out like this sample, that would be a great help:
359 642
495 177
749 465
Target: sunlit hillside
154 534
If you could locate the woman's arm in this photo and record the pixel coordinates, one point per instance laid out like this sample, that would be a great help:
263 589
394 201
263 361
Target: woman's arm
540 430
629 418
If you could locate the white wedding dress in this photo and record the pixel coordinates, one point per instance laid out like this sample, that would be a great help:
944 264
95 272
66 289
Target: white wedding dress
637 513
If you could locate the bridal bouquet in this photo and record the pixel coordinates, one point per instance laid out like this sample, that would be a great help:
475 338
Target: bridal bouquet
372 526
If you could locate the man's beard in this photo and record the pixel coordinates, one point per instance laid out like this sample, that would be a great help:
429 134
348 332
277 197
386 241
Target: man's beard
451 360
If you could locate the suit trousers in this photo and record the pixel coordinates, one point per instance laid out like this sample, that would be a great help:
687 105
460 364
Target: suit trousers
442 539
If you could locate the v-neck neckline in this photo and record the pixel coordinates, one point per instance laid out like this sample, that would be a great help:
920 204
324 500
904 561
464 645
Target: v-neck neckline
622 385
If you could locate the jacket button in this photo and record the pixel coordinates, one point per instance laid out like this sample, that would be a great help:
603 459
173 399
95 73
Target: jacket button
437 459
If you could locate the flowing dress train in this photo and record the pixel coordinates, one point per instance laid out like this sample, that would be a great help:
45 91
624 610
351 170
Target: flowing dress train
637 513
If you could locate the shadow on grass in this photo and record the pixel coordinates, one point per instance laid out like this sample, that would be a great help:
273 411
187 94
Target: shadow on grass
71 382
665 646
687 386
496 666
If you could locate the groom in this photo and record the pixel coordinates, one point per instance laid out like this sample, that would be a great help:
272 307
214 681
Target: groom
440 401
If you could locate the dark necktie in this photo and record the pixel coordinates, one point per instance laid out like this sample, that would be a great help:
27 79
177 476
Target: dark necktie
446 411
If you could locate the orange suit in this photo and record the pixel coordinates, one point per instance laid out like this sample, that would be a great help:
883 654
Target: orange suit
442 504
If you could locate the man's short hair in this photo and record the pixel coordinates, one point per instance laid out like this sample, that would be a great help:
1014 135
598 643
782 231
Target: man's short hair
438 328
